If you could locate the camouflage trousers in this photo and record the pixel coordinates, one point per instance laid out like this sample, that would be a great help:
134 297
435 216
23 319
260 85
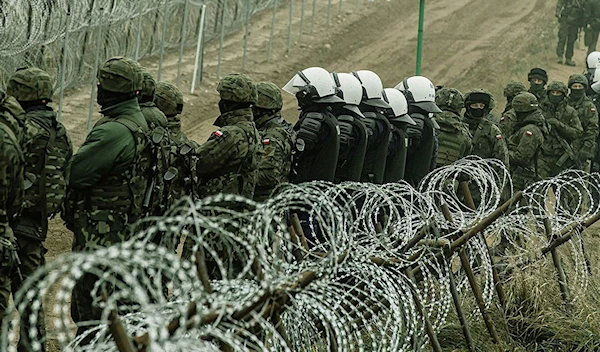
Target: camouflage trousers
567 35
31 254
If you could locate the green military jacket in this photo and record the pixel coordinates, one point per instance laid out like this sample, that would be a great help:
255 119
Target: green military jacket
563 124
594 14
276 161
228 161
586 145
154 117
488 141
454 138
573 12
524 146
507 122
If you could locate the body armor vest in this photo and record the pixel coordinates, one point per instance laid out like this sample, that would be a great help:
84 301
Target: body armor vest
451 146
421 148
353 147
377 150
396 160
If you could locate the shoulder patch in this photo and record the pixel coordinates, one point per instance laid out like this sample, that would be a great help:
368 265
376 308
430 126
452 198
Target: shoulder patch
498 136
266 141
502 119
529 133
593 109
218 133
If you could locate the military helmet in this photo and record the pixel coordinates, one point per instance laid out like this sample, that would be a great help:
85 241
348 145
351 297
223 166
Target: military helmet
269 96
578 78
120 75
148 85
480 96
30 84
449 98
168 99
525 102
558 86
538 73
239 88
514 88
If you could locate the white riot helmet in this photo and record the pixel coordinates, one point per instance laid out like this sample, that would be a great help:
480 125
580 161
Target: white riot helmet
372 88
593 59
399 105
350 90
419 91
315 84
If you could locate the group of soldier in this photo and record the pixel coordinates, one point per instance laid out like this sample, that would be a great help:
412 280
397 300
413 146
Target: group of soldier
137 162
573 16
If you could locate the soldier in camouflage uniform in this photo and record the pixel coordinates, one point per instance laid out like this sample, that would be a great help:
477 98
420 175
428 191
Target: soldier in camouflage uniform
109 176
593 25
487 137
571 15
277 140
508 115
454 138
154 117
169 100
228 161
564 127
585 146
47 150
11 198
538 78
525 143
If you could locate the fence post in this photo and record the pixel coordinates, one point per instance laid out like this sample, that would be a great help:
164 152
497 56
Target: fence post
222 37
272 29
246 34
182 39
63 66
96 64
289 46
138 40
162 41
199 46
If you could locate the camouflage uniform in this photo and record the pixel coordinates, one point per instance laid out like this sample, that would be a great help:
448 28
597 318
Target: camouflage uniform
525 143
47 150
508 115
277 140
454 138
228 161
487 137
572 15
593 25
169 100
564 127
109 175
11 193
586 145
154 117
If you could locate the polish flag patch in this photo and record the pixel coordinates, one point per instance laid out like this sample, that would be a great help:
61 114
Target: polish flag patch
529 133
502 119
218 133
266 141
593 109
498 136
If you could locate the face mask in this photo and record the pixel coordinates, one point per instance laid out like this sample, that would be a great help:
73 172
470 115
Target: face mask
536 87
555 99
477 113
577 94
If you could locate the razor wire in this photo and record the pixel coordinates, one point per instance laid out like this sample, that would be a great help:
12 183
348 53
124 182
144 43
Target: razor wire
269 291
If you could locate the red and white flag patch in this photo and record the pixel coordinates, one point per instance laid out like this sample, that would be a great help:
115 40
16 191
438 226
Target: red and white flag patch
529 133
498 136
218 133
266 141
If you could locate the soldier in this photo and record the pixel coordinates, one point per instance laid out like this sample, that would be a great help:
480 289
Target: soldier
277 140
585 145
154 117
379 128
109 176
228 161
396 161
487 137
454 137
11 199
169 100
572 15
564 127
317 144
353 131
508 116
422 154
538 78
47 150
593 25
525 143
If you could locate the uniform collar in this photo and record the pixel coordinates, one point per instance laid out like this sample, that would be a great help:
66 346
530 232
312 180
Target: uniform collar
120 108
267 119
233 117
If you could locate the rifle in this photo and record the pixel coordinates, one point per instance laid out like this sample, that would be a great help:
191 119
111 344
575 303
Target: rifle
10 257
569 153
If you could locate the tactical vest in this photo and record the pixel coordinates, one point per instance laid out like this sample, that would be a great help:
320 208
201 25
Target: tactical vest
353 147
376 155
125 192
396 160
420 154
317 147
451 146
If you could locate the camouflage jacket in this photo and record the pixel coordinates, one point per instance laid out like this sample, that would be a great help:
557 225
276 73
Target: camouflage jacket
574 12
488 141
507 122
276 162
11 166
154 117
454 138
524 146
588 115
228 161
563 124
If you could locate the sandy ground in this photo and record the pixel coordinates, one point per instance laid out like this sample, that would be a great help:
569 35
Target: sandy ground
468 44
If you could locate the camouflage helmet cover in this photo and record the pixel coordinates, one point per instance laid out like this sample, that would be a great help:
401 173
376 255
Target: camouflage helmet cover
120 75
514 88
148 85
168 99
525 102
449 98
557 86
578 78
30 84
239 88
269 96
480 96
